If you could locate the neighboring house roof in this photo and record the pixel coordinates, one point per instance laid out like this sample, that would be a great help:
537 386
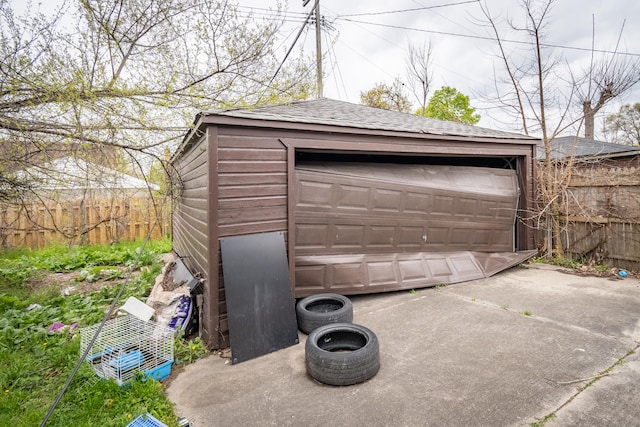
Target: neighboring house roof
69 173
583 148
326 111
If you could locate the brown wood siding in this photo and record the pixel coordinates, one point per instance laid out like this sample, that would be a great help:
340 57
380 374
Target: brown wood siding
191 222
212 331
252 185
190 228
252 195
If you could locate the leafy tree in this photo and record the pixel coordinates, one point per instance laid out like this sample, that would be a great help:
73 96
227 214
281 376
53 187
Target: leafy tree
449 104
625 124
387 97
121 80
117 82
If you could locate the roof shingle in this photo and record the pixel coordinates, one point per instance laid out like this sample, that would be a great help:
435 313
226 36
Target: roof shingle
564 146
325 111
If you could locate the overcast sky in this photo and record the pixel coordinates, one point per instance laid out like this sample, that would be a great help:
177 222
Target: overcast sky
365 42
358 53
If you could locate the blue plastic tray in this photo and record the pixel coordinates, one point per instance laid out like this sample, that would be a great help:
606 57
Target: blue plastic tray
146 421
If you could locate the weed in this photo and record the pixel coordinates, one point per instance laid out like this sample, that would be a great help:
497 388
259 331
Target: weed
413 291
473 299
558 261
571 263
188 351
441 285
36 362
527 313
504 306
601 268
542 421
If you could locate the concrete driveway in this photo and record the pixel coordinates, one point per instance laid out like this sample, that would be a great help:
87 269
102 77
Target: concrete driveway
529 345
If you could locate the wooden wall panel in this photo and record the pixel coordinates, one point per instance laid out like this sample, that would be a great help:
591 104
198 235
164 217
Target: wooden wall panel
192 229
252 185
190 218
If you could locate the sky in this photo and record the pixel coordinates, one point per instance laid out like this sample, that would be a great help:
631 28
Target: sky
365 43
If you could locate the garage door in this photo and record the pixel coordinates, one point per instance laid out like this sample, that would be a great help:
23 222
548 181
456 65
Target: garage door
366 227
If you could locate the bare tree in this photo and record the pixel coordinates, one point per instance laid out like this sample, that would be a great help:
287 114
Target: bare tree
608 77
419 74
542 95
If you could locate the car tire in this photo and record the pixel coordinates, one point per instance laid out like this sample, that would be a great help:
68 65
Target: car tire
323 309
342 354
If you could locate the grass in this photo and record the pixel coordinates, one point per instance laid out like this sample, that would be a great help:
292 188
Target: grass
36 363
557 261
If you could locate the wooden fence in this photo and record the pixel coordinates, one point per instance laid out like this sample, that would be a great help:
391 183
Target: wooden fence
602 215
91 219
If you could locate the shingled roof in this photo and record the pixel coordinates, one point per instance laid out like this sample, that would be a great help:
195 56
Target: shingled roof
325 111
563 147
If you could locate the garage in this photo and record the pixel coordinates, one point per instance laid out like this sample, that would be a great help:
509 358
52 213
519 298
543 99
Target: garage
367 200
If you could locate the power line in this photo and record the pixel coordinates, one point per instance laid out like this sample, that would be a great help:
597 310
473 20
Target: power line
298 17
335 66
399 27
409 10
290 48
251 12
365 58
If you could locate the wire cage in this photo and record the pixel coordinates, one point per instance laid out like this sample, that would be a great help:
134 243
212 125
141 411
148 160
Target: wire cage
127 345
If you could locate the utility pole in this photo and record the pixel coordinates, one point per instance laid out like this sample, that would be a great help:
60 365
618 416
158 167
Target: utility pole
318 49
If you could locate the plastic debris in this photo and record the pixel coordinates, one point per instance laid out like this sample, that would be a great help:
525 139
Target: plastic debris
56 326
181 314
146 420
59 327
34 307
623 273
138 309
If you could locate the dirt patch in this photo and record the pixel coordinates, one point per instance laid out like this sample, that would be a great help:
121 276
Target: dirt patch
68 283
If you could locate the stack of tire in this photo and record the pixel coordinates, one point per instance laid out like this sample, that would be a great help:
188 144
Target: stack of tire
337 351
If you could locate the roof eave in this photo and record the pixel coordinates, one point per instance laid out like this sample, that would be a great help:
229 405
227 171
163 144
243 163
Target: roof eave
198 128
223 120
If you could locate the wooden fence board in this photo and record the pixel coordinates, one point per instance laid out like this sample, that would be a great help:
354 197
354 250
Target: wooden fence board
601 211
92 220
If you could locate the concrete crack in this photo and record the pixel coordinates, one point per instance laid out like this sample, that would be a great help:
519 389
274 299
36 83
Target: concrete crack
542 421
